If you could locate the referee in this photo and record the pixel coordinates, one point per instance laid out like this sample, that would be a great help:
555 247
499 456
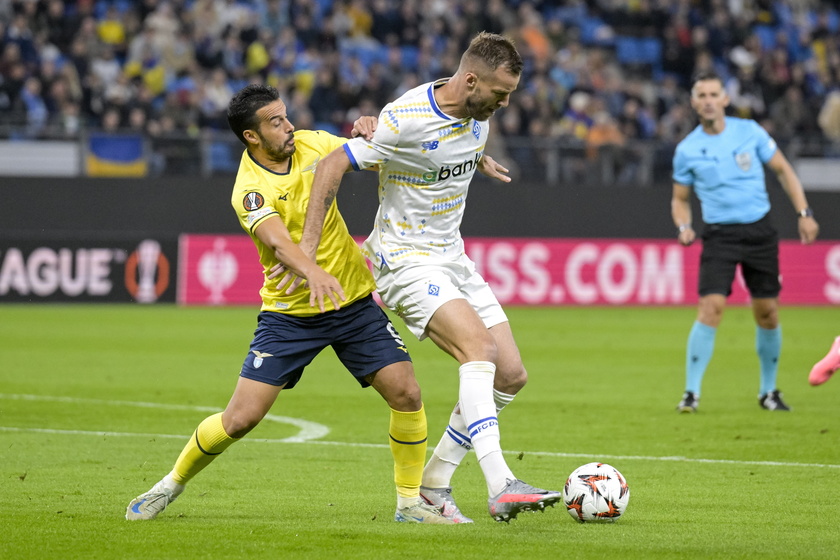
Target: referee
723 161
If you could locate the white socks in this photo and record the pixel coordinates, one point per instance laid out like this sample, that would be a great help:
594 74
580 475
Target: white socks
479 406
175 489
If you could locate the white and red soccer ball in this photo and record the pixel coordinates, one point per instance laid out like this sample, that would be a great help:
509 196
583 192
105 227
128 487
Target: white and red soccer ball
596 492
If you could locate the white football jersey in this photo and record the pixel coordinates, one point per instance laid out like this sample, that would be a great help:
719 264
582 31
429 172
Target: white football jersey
426 160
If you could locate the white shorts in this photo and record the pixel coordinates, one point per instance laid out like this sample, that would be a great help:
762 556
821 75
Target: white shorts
416 291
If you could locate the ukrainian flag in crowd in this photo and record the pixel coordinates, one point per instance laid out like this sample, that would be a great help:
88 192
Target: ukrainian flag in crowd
116 155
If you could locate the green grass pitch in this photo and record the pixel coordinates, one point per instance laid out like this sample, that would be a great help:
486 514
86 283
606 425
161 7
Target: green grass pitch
96 402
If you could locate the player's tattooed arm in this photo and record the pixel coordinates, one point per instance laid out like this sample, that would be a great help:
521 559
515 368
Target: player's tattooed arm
324 190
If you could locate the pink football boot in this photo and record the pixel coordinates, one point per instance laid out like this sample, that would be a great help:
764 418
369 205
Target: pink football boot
822 370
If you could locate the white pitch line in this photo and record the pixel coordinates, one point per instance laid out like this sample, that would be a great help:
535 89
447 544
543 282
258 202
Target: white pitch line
589 456
181 436
310 431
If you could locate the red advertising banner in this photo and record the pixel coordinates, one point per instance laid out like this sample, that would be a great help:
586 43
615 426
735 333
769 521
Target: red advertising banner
223 269
218 270
635 272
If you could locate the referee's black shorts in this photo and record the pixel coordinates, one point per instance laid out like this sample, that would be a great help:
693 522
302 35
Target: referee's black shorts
754 246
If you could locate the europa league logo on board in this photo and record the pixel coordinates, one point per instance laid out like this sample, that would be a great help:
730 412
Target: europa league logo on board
147 272
217 271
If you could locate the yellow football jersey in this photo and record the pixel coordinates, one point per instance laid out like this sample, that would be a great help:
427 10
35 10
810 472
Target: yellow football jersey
259 193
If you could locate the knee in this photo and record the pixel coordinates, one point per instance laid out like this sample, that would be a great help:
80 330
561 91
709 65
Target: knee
406 399
510 380
238 424
710 314
768 319
398 386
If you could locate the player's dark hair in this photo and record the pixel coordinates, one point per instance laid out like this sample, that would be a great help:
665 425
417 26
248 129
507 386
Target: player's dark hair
243 107
704 75
493 51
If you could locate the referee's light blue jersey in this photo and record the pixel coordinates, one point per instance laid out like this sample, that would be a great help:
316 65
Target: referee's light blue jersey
726 171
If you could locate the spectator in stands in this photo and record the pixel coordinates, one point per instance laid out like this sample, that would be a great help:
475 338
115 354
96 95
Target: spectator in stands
216 96
35 107
790 115
576 121
111 120
829 121
105 65
58 24
20 33
68 119
605 147
111 30
569 47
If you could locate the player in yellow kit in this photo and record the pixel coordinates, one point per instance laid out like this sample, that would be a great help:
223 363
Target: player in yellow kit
270 197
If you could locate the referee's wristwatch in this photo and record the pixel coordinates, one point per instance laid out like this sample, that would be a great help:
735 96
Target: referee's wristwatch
806 213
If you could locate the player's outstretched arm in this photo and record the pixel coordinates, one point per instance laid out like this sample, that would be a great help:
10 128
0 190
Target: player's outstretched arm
274 233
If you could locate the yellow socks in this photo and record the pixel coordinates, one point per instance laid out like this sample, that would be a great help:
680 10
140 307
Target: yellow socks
408 433
207 442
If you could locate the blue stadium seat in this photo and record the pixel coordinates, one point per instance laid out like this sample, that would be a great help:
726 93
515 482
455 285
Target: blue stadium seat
410 55
592 32
327 126
627 50
650 51
766 36
221 158
571 15
640 51
833 19
367 55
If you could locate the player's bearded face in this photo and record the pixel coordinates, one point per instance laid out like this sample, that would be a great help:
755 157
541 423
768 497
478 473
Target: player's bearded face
278 147
480 108
491 93
276 132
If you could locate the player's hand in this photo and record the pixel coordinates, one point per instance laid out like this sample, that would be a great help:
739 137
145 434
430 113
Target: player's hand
489 167
323 285
276 270
292 280
687 236
808 230
364 127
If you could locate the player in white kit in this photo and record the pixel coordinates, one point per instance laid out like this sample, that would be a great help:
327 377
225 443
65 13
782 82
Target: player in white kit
428 145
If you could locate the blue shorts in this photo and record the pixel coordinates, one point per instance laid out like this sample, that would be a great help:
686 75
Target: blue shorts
362 336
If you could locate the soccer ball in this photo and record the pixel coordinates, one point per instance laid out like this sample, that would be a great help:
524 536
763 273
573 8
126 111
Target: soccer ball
596 492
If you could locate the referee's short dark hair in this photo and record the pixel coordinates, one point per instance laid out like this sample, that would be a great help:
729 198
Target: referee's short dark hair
704 75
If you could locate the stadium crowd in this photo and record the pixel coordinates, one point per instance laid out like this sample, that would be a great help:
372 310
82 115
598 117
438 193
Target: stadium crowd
598 72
